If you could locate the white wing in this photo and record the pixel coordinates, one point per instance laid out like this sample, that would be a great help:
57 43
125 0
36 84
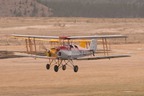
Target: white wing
97 37
36 36
70 37
102 57
34 56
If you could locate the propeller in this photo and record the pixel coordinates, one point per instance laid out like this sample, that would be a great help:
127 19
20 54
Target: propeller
44 47
47 51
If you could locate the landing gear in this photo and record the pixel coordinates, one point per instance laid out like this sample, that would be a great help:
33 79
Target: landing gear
48 66
56 68
61 64
63 67
75 68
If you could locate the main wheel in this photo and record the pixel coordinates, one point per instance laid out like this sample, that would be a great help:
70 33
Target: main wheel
75 68
56 68
48 66
63 67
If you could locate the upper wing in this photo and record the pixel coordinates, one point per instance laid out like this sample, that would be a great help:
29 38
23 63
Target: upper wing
36 36
70 37
102 57
97 36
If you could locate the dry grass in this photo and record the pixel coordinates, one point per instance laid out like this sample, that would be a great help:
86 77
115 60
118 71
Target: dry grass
116 77
74 26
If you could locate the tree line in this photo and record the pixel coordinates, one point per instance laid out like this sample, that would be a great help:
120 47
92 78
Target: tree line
93 8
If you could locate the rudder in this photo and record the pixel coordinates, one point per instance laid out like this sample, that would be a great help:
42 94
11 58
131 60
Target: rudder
93 45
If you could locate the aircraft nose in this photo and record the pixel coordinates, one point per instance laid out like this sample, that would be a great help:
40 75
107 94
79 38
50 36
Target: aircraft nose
62 54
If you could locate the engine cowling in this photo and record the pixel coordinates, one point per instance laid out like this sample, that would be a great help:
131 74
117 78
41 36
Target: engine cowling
52 52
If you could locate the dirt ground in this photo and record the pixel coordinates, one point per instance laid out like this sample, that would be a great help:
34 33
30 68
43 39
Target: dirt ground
115 77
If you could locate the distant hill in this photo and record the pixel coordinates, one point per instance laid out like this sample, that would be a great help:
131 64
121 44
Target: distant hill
12 8
73 8
96 8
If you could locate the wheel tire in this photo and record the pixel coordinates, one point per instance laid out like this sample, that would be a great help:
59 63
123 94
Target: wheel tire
76 68
48 66
63 67
56 68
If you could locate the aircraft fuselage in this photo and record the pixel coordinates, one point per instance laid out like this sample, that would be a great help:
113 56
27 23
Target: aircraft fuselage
72 53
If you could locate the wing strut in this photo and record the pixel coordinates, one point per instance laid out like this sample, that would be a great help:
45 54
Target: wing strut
35 45
30 44
106 46
26 41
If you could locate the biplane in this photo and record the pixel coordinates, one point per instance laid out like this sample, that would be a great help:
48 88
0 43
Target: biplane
67 50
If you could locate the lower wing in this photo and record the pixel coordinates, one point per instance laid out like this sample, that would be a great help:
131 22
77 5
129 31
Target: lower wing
34 56
102 57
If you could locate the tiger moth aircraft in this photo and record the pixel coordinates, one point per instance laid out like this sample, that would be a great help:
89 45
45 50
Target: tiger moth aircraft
66 50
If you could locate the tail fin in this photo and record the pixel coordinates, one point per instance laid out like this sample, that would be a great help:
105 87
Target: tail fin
93 45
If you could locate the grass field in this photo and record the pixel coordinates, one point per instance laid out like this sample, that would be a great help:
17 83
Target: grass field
115 77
